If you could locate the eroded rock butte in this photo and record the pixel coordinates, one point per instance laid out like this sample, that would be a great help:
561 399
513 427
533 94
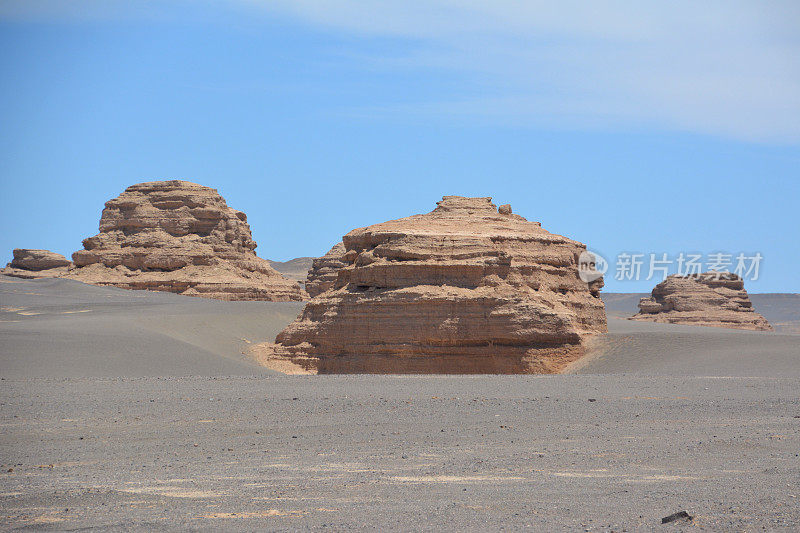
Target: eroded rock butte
462 289
30 263
178 236
716 299
181 237
324 270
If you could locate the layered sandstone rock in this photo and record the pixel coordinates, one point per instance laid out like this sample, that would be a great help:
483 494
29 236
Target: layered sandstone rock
324 270
181 237
715 299
30 263
462 289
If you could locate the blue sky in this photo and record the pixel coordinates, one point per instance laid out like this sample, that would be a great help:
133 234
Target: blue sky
628 126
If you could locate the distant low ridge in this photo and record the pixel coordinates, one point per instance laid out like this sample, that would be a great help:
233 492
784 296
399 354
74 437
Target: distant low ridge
296 269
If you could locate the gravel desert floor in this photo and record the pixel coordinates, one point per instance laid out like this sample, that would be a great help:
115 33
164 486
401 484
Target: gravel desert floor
132 410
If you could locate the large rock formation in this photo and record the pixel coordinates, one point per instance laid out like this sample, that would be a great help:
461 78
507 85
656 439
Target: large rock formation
462 289
29 263
710 299
181 237
324 270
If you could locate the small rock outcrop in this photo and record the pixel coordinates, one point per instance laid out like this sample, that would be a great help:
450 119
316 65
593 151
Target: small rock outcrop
180 237
29 263
716 299
462 289
324 270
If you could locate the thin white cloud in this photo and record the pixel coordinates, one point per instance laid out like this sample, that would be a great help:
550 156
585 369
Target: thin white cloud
722 68
725 68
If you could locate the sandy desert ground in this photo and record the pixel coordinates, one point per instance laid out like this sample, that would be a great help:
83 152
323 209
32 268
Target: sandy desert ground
135 410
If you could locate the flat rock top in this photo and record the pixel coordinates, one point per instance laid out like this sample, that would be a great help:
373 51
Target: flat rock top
167 186
464 216
170 194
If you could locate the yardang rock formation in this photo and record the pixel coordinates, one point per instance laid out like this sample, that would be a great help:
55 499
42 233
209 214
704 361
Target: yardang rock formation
715 299
324 270
178 236
181 237
462 289
29 263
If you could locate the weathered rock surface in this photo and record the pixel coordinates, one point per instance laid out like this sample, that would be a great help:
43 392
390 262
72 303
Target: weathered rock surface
181 237
29 263
324 270
462 289
715 299
28 259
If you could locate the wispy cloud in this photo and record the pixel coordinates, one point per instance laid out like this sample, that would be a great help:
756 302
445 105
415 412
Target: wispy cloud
726 68
722 68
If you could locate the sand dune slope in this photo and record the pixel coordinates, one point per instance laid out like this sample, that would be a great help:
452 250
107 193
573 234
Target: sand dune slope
646 348
171 442
63 328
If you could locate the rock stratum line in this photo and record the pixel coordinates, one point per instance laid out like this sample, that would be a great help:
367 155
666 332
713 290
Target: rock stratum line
463 289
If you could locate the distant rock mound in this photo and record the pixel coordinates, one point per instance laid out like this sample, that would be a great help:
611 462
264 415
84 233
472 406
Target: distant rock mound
324 270
30 263
462 289
180 237
716 299
296 269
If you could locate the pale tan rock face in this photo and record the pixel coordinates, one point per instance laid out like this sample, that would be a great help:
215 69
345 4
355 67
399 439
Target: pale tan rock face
30 263
324 270
181 237
462 289
715 299
28 259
